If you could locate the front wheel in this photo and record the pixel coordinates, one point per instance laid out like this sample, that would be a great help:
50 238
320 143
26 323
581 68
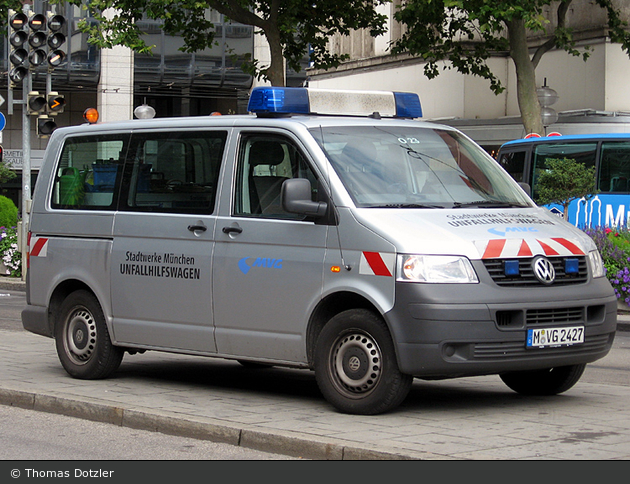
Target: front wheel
355 364
82 339
550 381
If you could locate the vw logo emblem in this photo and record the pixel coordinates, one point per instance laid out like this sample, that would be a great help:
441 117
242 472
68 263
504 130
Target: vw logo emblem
543 270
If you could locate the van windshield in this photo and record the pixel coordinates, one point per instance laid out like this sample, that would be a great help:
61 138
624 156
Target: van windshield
413 167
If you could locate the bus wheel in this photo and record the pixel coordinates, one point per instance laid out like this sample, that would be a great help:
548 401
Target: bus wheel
82 339
550 381
355 364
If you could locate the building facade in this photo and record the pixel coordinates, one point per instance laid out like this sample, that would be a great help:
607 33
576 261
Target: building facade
593 95
115 81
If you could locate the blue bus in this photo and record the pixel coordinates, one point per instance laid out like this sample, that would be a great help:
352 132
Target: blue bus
608 153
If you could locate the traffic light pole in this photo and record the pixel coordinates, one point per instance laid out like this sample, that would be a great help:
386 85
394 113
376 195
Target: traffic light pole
26 172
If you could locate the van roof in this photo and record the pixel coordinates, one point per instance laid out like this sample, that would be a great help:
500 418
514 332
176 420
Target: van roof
239 120
564 138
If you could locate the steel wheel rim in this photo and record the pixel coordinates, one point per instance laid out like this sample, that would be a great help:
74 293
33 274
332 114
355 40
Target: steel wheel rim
356 364
80 336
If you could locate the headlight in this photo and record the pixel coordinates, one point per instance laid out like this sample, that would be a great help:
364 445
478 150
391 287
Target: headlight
596 263
435 269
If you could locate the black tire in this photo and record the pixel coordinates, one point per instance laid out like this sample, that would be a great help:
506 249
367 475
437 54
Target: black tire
82 339
550 381
355 364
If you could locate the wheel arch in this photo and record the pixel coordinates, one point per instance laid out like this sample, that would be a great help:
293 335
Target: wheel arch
328 307
60 293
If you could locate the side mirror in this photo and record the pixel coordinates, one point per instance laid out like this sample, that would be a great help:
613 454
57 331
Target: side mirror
296 198
526 187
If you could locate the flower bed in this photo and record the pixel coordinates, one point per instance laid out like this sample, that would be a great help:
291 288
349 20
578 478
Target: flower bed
11 256
614 246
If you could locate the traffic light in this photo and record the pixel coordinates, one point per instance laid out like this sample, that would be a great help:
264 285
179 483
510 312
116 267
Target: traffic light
37 39
36 103
45 126
18 37
56 39
56 102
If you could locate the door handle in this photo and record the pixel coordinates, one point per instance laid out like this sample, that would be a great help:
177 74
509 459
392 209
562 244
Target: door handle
197 228
232 229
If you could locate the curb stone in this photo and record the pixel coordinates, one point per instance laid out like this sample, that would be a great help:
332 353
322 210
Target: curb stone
282 442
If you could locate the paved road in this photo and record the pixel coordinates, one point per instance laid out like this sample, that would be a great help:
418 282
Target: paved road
281 410
30 435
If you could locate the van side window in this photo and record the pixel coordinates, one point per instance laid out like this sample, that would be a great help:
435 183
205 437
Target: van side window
582 152
174 172
264 164
88 171
614 172
514 164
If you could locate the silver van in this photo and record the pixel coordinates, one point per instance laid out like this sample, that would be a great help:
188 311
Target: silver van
329 231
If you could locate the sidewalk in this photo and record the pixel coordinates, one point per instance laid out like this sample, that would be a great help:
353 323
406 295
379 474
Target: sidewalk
281 410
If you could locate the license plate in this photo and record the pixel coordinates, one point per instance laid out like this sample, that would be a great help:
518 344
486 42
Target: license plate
550 337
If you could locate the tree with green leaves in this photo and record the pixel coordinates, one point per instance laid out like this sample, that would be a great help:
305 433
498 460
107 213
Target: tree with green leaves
466 33
563 181
293 28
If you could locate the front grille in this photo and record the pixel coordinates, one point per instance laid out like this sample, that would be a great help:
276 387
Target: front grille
554 315
526 277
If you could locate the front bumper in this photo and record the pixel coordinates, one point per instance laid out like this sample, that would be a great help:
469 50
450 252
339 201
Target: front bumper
444 330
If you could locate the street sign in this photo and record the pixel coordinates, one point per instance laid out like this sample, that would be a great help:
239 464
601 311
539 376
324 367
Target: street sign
1 100
3 121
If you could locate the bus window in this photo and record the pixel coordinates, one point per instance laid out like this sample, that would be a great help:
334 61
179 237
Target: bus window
614 173
514 164
584 152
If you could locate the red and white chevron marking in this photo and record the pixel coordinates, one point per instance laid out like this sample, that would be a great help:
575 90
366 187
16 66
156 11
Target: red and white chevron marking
501 248
38 246
377 264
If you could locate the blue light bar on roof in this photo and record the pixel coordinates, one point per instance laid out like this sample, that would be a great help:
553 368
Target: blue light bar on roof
298 100
279 100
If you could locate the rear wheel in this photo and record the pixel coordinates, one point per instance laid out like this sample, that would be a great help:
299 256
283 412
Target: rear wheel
82 339
550 381
355 364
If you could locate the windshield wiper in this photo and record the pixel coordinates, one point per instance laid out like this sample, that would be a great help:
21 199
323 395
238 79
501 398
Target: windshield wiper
406 205
489 203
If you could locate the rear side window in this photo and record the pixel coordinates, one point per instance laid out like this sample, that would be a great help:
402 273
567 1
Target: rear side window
88 171
173 172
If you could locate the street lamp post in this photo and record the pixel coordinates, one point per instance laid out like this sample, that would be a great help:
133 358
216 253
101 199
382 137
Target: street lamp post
547 97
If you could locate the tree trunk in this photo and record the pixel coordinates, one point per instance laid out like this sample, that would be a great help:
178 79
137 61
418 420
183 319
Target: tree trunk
275 71
525 78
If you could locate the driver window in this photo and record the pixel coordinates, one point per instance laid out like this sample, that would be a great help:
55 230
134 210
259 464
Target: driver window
265 163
